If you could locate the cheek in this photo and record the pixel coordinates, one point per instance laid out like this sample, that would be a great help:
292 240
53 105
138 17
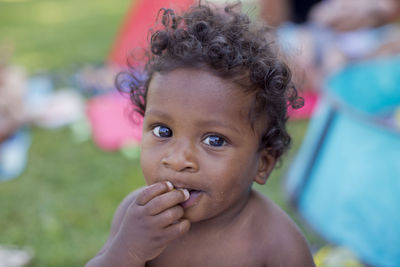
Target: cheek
230 173
149 167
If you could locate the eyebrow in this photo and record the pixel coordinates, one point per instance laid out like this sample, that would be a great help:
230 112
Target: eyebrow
213 123
158 113
204 123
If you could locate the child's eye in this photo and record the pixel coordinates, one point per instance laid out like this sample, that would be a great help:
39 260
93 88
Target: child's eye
162 131
214 140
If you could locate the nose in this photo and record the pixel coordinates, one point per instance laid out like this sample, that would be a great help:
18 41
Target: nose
181 157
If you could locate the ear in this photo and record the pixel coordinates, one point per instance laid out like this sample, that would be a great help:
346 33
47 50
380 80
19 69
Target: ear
266 164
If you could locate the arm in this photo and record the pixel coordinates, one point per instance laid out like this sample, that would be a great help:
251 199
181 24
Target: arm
111 253
343 15
274 12
143 225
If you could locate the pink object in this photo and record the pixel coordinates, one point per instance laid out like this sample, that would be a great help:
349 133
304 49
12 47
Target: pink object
113 121
310 101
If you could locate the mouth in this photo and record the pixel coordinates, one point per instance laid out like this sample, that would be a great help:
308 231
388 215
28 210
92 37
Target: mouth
193 199
192 190
187 188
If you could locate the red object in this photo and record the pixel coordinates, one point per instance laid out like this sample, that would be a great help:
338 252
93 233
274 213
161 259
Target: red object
134 31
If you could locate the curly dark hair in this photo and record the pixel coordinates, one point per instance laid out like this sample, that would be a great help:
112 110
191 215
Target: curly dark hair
227 44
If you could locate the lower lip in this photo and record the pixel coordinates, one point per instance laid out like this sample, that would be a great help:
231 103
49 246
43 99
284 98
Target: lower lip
193 199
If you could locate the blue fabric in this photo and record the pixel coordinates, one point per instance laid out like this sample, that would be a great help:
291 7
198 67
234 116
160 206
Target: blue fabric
13 154
372 87
351 196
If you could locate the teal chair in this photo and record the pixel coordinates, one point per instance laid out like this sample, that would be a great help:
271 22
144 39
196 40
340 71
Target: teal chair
345 180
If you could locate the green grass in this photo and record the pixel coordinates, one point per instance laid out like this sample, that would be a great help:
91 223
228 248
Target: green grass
50 34
63 203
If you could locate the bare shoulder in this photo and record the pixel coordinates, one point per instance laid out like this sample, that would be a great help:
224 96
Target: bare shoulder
282 242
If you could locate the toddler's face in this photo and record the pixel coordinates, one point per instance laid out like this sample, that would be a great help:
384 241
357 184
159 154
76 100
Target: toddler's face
196 134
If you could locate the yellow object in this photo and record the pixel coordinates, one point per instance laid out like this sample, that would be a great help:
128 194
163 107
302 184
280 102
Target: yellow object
329 256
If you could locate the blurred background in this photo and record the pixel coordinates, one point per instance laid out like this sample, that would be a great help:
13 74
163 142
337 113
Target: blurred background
69 152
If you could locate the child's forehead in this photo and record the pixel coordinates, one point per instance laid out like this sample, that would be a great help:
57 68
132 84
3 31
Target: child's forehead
187 77
199 85
203 93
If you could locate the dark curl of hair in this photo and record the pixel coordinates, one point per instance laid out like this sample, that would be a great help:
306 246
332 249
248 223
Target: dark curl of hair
227 44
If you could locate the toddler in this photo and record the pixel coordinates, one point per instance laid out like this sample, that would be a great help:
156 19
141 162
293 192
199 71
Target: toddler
214 101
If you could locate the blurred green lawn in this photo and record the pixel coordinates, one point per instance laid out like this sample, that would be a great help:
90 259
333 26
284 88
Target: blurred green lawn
60 34
63 203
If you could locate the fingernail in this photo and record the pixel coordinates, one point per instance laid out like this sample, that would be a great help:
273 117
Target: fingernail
186 193
170 185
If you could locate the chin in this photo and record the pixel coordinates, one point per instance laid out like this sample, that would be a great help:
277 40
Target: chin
195 215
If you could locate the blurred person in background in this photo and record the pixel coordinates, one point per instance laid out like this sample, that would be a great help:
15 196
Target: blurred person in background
343 15
12 91
356 15
340 15
329 34
14 139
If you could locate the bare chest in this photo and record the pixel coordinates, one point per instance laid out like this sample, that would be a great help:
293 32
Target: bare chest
210 261
219 252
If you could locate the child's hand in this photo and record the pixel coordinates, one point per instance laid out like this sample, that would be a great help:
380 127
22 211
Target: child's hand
153 220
